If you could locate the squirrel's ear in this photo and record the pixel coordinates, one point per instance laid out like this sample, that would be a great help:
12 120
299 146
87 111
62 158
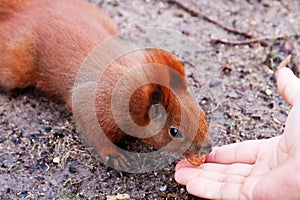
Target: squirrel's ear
156 95
176 74
160 95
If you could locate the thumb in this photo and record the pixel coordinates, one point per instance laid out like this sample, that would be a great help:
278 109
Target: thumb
287 83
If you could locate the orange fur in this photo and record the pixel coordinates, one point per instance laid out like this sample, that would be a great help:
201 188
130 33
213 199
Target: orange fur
44 42
8 8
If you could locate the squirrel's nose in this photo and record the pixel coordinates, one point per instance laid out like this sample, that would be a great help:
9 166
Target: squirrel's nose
201 148
206 148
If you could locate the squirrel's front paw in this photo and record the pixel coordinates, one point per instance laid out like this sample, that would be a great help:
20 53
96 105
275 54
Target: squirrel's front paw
114 159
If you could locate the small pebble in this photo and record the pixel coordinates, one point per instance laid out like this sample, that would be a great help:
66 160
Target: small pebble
44 167
268 92
215 83
56 160
15 140
26 165
256 116
178 14
23 194
163 188
32 136
204 101
39 178
72 168
48 129
182 190
118 197
252 23
226 70
271 105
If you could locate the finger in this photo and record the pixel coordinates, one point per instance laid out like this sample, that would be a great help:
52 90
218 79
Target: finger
184 163
232 169
221 173
243 152
288 84
209 189
290 143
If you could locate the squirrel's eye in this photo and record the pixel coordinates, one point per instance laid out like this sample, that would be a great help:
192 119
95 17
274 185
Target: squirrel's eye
174 132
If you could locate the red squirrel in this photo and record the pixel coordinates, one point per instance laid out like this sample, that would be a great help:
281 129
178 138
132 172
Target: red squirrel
43 44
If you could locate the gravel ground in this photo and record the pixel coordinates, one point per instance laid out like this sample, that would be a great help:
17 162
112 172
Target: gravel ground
42 156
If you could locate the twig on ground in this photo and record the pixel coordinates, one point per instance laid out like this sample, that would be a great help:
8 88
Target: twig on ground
195 12
250 41
244 42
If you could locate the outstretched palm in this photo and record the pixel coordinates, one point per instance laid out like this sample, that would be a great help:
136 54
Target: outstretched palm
261 169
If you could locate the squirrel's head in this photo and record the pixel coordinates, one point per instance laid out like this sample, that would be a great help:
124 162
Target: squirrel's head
163 105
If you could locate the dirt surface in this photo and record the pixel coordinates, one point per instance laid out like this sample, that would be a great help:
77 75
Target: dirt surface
42 157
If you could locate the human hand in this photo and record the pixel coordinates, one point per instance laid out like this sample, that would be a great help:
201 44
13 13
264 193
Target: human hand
256 169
